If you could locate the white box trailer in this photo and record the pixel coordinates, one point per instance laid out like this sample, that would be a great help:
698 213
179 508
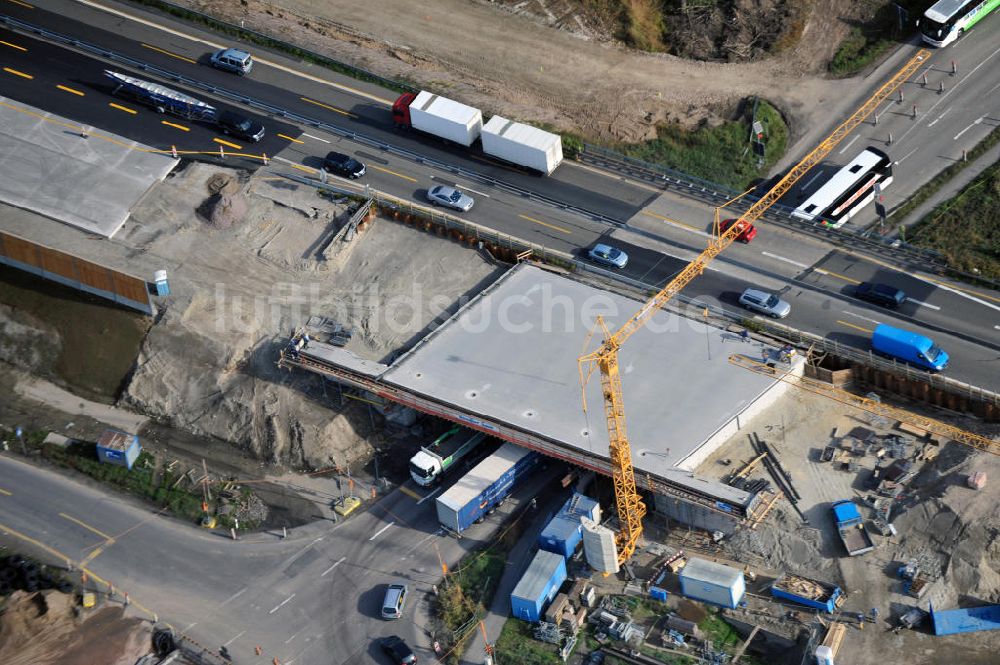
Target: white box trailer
445 118
522 144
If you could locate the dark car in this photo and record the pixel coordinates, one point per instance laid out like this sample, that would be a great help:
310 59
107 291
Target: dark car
398 650
240 126
880 294
341 164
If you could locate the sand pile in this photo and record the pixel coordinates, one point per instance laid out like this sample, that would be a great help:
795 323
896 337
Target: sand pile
41 629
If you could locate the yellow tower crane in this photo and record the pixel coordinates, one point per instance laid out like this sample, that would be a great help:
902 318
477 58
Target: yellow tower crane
631 509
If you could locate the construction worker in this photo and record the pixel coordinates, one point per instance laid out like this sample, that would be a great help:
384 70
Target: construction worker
745 336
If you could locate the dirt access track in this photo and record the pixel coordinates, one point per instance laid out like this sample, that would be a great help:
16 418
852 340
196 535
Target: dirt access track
515 65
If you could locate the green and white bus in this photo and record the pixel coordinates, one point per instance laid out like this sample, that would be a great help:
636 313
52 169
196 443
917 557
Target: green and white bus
947 20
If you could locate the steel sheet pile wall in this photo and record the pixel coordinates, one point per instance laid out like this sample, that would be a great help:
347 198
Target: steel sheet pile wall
539 584
74 272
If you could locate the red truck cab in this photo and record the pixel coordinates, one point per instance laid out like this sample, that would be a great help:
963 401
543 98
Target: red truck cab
401 109
747 233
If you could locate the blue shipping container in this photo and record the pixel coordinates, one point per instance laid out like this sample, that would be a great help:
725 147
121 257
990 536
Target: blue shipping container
970 620
578 506
120 448
539 585
561 536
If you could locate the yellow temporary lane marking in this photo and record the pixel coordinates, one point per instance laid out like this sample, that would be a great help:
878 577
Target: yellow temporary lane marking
90 557
671 221
289 138
175 125
410 493
172 55
36 543
123 108
17 73
546 224
287 70
70 90
5 492
328 107
227 143
838 276
303 168
851 325
13 46
23 4
87 527
398 175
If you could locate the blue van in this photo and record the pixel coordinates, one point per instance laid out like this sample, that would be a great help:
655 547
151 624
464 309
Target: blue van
909 347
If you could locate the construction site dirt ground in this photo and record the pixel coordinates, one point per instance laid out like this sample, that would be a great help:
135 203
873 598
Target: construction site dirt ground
42 628
244 259
954 529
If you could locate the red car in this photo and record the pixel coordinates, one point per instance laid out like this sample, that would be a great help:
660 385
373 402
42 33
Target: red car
747 233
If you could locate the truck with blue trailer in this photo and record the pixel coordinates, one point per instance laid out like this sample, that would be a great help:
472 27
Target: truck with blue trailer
484 487
851 527
809 592
434 460
910 347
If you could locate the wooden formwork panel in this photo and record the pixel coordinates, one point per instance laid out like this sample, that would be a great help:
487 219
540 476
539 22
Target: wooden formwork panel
130 287
19 249
94 276
58 263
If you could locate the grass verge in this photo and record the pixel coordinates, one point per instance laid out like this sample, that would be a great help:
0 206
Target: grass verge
966 229
144 480
720 154
871 39
468 591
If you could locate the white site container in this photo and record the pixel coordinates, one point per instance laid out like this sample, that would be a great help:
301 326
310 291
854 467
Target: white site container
712 582
522 144
446 118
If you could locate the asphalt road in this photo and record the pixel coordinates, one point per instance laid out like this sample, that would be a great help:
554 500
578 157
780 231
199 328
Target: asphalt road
350 104
313 599
783 262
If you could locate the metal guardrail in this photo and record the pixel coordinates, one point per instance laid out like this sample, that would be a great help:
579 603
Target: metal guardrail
257 105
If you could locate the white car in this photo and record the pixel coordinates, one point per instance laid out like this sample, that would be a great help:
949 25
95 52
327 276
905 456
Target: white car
449 197
765 303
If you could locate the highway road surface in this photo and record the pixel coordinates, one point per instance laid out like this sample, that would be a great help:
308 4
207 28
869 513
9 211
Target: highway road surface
661 229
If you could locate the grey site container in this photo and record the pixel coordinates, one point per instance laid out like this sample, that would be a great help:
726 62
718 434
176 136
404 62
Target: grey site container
712 582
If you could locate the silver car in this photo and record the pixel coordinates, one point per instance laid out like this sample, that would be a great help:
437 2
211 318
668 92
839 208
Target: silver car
765 303
608 255
449 197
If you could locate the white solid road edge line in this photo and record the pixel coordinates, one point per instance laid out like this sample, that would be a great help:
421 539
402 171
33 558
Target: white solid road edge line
922 304
380 531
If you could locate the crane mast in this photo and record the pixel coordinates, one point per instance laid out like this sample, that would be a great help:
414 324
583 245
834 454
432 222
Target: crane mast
630 507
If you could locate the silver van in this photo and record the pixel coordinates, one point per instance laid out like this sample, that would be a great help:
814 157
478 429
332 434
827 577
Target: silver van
232 60
395 600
